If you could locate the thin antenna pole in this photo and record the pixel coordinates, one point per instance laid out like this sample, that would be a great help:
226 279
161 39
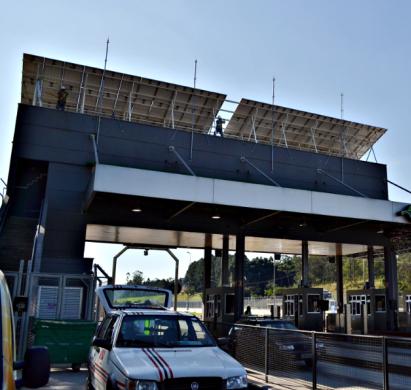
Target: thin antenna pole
272 126
105 60
195 73
342 106
192 111
101 89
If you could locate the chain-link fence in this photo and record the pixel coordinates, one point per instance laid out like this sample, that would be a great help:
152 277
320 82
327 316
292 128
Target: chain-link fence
314 360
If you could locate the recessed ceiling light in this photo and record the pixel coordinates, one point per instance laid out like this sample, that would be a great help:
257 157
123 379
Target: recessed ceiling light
216 216
136 210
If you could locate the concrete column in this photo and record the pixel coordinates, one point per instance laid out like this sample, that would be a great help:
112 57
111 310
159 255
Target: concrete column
371 273
239 276
304 264
340 281
207 267
391 287
224 262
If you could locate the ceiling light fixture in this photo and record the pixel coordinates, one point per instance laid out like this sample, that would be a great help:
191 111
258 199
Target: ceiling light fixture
216 216
136 210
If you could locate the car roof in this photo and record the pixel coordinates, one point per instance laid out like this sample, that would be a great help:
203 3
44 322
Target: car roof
155 312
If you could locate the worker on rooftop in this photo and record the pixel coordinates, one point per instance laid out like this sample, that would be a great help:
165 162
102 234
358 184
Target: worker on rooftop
219 126
61 98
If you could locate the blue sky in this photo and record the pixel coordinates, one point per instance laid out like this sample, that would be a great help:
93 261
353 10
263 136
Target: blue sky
316 49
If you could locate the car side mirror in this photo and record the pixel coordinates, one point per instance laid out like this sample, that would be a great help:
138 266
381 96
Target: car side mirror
102 343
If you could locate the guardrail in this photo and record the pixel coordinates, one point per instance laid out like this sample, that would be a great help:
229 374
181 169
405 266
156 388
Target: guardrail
315 360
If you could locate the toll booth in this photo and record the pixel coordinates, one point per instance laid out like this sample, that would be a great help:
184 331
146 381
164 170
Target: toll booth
368 310
404 314
219 308
305 307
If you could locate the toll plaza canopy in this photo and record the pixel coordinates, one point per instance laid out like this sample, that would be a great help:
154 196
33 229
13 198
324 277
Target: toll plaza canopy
137 99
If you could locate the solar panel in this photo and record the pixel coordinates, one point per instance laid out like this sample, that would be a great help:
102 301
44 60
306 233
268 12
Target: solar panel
302 130
138 99
123 96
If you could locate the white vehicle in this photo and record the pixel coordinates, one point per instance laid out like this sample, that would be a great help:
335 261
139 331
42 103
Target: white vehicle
143 345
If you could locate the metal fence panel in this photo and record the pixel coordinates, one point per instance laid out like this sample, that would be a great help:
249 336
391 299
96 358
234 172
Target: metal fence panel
290 357
399 363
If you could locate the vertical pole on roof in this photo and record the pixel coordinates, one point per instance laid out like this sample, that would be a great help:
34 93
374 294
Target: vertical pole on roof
272 127
101 89
192 111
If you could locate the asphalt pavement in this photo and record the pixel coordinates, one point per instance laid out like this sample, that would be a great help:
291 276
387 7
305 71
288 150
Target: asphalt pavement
66 379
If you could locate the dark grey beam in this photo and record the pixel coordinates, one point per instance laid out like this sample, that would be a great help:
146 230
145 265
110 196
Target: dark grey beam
207 267
339 276
371 272
304 264
224 261
239 276
391 287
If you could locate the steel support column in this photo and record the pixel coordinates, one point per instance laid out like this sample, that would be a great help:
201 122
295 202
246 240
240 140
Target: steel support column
239 276
391 287
304 264
371 273
224 262
339 274
207 268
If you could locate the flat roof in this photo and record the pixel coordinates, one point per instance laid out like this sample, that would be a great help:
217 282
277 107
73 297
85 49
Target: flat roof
122 96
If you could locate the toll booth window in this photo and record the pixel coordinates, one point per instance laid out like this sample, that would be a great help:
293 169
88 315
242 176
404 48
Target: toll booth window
229 304
313 303
289 305
210 306
357 301
408 303
380 303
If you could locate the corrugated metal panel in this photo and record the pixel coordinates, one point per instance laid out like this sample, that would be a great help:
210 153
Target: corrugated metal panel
47 302
72 303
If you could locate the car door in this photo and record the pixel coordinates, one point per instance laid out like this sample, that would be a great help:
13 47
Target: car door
99 357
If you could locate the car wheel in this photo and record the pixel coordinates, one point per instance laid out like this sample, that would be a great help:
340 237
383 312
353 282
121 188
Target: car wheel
36 370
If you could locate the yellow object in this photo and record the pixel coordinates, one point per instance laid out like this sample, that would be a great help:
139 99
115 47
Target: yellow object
7 336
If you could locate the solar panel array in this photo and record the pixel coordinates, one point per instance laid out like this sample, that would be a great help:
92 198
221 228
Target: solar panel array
138 99
302 130
118 95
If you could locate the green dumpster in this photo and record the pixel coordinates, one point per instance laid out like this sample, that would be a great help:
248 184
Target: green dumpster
68 341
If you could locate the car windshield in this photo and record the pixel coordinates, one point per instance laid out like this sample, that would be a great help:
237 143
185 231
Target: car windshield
162 331
120 298
278 324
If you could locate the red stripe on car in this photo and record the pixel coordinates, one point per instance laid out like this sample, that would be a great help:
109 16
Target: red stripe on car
165 363
155 364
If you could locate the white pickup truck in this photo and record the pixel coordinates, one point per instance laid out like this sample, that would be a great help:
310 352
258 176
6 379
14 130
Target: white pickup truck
143 345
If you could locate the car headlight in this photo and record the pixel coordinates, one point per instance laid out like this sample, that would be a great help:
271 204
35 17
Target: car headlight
237 382
141 385
286 347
